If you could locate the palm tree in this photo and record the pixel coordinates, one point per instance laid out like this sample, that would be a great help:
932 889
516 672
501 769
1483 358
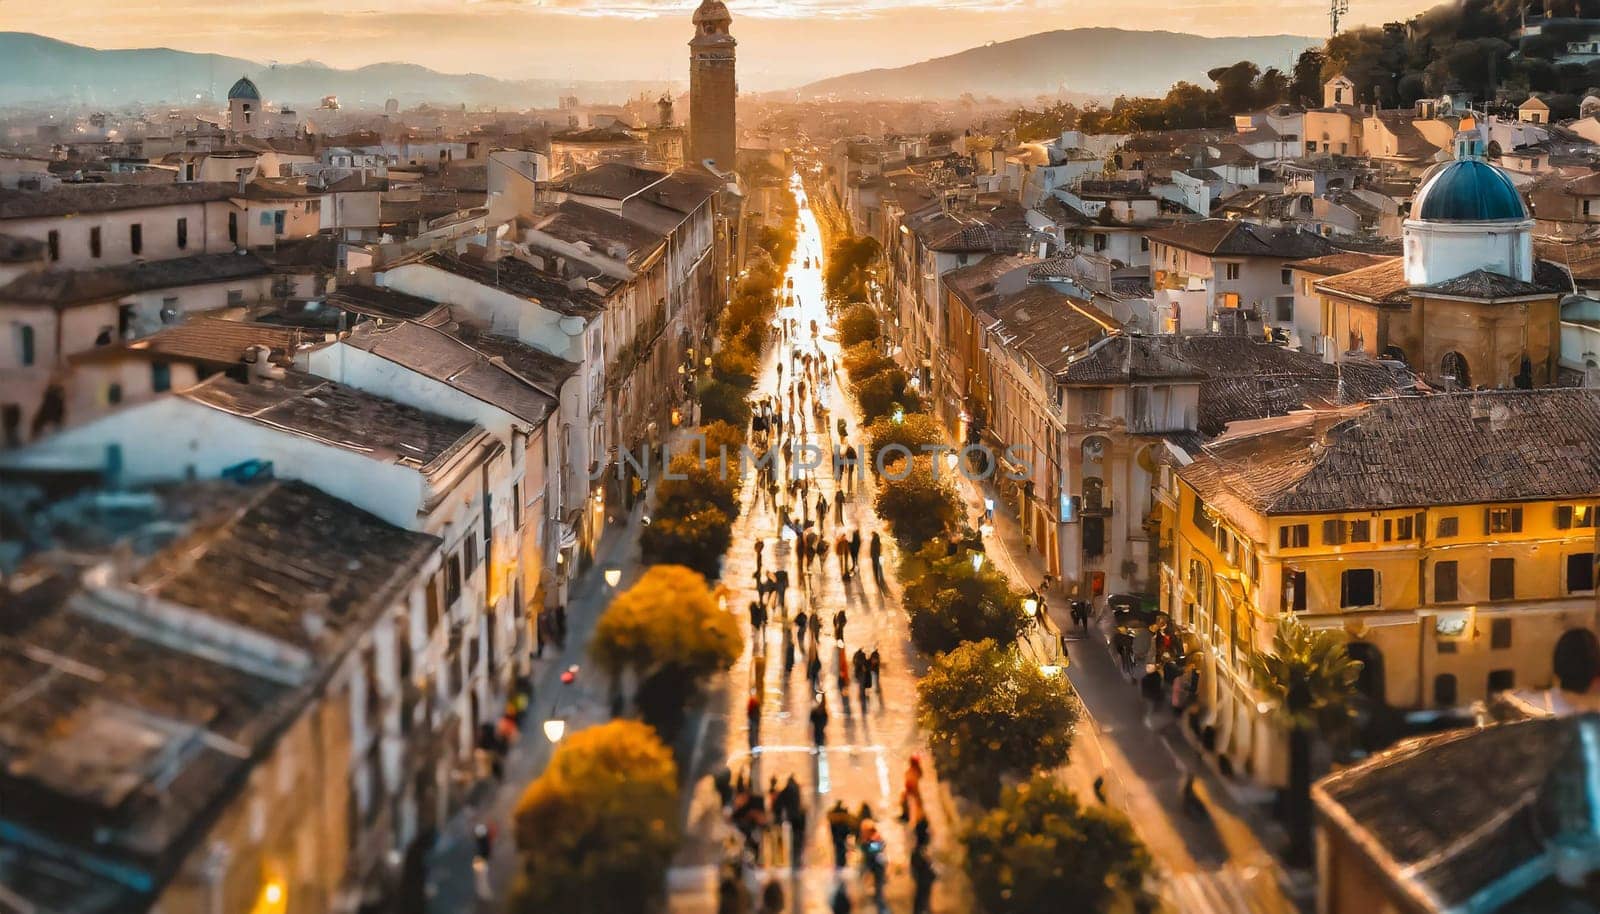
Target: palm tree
1310 679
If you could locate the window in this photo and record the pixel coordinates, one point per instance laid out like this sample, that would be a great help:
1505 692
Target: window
233 228
277 222
1333 533
1499 634
1358 587
113 394
1100 241
25 348
433 604
1502 520
136 238
1283 309
1400 528
1361 531
1294 590
183 233
53 241
1449 526
469 551
1144 244
235 298
1502 680
1444 582
94 241
169 310
1503 579
1232 271
1287 276
516 506
1294 536
160 377
1586 207
1580 572
1570 516
452 581
1444 690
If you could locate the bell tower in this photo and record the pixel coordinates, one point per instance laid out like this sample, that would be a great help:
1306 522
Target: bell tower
713 88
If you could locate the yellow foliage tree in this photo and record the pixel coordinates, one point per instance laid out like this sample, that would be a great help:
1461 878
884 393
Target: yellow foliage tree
597 831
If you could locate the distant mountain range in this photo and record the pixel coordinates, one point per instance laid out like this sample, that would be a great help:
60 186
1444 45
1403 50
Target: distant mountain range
36 69
1091 62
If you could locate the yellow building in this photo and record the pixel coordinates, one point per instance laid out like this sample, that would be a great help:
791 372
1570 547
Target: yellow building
1451 537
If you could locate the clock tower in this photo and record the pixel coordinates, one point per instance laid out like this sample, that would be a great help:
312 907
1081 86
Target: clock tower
712 88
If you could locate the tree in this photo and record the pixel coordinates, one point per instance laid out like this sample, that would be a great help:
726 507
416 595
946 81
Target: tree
698 539
848 266
721 401
879 394
917 506
722 436
913 433
951 603
863 360
667 630
698 485
1040 852
613 787
989 715
1306 89
1310 679
858 325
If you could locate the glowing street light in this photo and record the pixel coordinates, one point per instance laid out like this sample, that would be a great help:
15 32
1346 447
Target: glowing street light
950 460
554 729
1050 670
1031 607
613 576
977 561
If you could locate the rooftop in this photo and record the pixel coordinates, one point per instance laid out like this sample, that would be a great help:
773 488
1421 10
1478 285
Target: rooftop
518 277
1471 814
612 181
438 355
1410 452
72 199
1383 283
340 416
1048 325
1339 263
63 288
1233 238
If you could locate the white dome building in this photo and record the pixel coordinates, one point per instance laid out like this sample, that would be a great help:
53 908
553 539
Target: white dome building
1467 216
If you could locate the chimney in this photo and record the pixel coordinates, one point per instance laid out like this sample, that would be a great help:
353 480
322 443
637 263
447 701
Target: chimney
244 180
259 360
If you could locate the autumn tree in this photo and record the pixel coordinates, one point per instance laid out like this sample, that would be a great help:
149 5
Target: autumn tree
1041 848
598 829
917 506
697 540
858 324
669 633
951 602
864 360
914 433
879 394
989 716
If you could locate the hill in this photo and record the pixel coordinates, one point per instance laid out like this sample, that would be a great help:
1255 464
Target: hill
38 70
1099 62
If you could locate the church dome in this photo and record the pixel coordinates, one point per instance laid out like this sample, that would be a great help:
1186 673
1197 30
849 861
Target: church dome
1469 190
244 89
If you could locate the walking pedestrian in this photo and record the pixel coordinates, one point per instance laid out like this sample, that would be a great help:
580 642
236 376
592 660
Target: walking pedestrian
814 673
816 626
752 713
874 662
758 671
838 510
855 550
781 579
819 715
841 549
851 469
922 877
761 546
722 781
772 897
875 550
841 825
874 860
822 510
839 620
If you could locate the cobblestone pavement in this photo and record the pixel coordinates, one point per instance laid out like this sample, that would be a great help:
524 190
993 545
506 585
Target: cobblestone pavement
866 747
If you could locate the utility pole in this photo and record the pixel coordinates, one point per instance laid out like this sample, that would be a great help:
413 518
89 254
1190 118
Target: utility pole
1336 10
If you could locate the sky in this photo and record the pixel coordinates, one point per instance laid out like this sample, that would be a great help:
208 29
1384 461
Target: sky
782 42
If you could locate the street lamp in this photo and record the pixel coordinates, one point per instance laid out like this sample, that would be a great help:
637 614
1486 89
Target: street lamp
1031 607
613 576
950 460
554 729
977 561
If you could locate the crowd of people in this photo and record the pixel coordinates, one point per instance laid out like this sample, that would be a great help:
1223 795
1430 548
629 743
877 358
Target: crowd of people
797 448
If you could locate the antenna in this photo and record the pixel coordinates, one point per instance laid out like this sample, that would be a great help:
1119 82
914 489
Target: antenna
1336 10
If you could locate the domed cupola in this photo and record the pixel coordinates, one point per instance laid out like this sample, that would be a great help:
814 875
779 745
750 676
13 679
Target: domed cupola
246 89
1466 216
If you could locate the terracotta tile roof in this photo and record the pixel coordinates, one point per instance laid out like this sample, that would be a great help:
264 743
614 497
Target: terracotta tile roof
1411 452
1342 262
1233 238
1489 286
70 199
1126 359
1048 325
63 288
1382 284
1445 817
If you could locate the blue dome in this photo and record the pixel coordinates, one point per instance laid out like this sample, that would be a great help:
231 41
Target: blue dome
1468 190
245 89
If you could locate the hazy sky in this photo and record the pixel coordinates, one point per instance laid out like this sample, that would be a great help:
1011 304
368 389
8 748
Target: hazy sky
782 42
